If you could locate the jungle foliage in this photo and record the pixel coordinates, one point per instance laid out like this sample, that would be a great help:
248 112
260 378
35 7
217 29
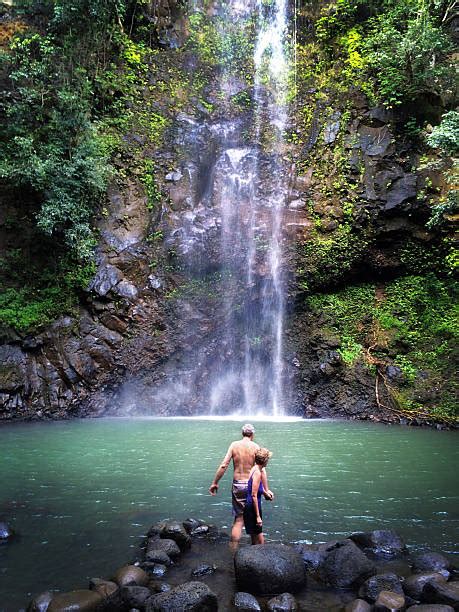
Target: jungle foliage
405 47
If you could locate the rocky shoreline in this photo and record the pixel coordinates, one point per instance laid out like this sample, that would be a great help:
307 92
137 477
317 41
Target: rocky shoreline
188 566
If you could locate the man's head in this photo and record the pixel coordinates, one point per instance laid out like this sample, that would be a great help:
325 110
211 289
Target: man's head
262 456
248 430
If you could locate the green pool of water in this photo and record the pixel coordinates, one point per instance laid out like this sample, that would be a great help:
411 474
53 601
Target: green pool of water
81 494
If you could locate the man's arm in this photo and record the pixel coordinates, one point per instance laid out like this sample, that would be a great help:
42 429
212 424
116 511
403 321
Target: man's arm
221 470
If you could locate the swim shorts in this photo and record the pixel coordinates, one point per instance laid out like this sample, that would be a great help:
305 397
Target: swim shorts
238 496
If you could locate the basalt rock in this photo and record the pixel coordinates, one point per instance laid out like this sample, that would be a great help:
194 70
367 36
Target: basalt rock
245 602
191 596
282 603
103 587
345 565
269 568
40 603
371 588
386 543
76 601
442 593
161 545
414 585
6 533
173 530
431 562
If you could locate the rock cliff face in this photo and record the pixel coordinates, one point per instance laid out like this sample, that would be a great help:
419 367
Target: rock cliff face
146 319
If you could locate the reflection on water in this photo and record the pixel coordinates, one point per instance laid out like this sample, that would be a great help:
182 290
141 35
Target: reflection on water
81 494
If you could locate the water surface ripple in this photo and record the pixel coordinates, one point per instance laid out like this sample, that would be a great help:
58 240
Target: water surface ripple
81 494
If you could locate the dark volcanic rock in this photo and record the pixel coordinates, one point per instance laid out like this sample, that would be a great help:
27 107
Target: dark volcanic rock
245 602
345 565
135 596
282 603
269 568
191 596
431 562
371 588
414 585
168 546
103 587
447 593
203 570
172 530
312 555
75 601
190 524
40 603
159 556
6 533
380 542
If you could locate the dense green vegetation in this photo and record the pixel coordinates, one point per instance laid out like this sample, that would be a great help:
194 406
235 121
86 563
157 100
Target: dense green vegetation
72 75
410 323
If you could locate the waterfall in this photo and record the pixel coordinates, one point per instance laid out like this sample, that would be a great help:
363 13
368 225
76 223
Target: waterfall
252 225
239 186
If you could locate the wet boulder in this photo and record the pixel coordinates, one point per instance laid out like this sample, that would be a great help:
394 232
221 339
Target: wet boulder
155 570
135 596
159 556
358 605
414 585
191 596
371 588
431 562
282 603
191 523
381 542
165 545
103 587
442 593
245 602
200 530
6 533
172 530
40 603
203 570
270 568
312 556
131 575
388 601
345 565
76 601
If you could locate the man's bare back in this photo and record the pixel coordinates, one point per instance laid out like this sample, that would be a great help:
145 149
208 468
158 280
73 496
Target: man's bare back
243 456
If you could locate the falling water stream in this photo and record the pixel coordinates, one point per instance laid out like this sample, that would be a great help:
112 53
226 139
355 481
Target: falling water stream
241 188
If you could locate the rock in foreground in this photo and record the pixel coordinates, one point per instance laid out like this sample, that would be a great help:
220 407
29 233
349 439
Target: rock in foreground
191 596
269 568
345 565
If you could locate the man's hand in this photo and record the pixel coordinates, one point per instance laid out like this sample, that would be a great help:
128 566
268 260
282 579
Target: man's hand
213 489
259 521
269 495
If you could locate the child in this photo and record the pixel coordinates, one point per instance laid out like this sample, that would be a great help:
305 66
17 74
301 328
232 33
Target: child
252 512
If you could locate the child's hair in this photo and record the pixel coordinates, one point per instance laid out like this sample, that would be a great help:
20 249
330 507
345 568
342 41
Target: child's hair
262 455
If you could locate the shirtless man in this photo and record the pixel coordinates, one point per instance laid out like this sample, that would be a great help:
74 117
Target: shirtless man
242 452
